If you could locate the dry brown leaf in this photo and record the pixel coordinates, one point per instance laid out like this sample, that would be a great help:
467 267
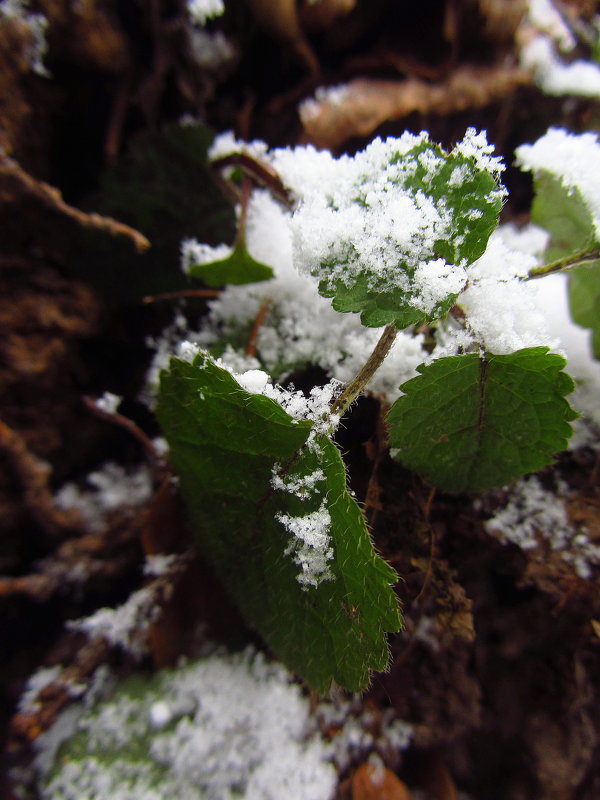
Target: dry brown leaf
365 103
376 782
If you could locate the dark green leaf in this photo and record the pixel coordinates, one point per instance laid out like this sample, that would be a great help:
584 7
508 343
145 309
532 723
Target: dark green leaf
470 423
225 444
162 186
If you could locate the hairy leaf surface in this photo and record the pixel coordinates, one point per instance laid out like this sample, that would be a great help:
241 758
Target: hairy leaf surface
225 444
470 423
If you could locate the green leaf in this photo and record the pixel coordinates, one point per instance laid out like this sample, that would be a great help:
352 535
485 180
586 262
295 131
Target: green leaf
410 227
237 269
470 423
163 186
584 300
563 212
225 444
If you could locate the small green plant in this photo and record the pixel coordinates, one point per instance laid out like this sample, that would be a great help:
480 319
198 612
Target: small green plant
402 235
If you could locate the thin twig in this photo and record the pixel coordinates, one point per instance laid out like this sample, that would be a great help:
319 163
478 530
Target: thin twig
53 198
33 475
179 295
261 173
258 322
130 426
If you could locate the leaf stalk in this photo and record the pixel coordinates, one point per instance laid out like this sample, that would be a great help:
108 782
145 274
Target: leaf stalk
581 258
355 387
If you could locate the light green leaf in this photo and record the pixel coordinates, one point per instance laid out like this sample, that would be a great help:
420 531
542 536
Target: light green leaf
563 212
237 269
584 300
470 423
225 445
401 236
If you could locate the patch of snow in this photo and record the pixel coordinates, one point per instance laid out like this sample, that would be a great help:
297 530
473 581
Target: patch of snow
44 676
111 489
332 95
125 626
194 253
502 310
534 516
224 727
159 564
310 545
555 77
573 158
544 15
201 10
211 51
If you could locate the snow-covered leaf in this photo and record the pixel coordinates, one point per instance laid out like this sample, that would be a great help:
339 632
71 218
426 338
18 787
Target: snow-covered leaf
389 233
268 502
472 422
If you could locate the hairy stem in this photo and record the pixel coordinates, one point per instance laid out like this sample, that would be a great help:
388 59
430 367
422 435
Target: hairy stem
581 258
358 383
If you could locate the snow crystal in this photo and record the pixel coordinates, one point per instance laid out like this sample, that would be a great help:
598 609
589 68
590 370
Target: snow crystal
223 727
476 146
573 158
310 545
112 489
534 516
201 10
300 485
124 626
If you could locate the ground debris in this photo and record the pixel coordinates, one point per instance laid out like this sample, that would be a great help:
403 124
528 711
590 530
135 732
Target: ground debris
357 108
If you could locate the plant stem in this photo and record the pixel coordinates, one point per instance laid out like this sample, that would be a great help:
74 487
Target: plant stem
358 383
578 259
